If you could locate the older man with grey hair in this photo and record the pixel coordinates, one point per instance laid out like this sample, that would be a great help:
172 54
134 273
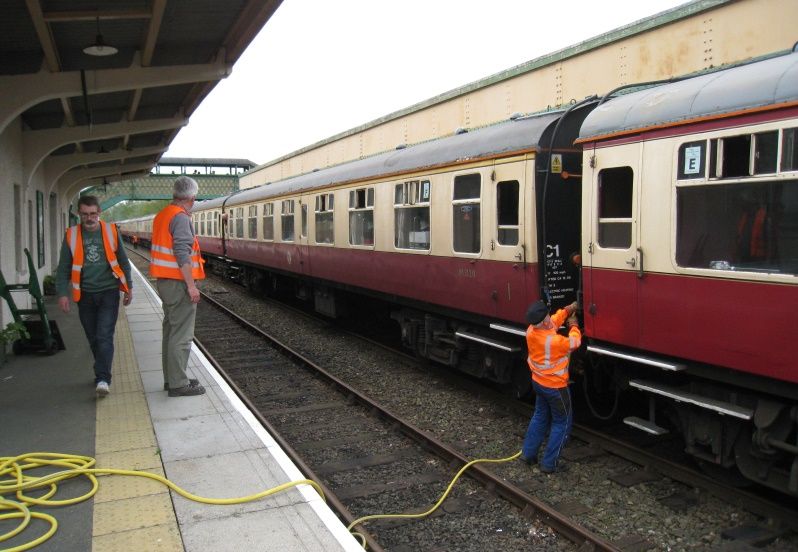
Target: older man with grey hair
176 263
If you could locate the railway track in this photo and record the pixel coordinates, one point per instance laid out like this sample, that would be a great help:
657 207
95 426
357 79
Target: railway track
358 449
629 503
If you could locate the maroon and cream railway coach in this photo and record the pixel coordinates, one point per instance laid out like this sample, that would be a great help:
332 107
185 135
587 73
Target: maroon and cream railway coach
680 201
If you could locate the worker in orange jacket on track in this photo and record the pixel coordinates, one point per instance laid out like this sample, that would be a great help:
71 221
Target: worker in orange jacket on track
549 355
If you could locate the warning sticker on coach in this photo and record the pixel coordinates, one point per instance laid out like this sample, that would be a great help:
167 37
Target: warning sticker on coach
556 163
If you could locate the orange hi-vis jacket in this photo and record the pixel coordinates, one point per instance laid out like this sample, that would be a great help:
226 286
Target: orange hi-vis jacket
757 248
74 237
163 262
549 352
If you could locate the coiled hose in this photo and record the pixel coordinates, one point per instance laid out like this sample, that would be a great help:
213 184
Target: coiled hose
14 481
17 482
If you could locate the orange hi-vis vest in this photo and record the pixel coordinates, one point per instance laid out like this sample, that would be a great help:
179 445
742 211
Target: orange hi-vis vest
758 247
163 263
550 352
74 237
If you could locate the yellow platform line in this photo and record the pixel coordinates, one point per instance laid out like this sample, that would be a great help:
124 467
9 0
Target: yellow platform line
130 513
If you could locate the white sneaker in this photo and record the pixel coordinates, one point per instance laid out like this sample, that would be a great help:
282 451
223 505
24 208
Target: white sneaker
102 389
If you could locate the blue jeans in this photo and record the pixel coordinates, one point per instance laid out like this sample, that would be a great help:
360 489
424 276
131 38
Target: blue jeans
552 406
98 313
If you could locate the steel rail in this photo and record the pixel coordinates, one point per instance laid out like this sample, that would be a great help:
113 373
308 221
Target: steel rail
330 498
732 495
528 504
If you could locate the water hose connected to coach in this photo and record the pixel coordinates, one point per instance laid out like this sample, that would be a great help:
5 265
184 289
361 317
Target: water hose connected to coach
589 401
437 504
14 481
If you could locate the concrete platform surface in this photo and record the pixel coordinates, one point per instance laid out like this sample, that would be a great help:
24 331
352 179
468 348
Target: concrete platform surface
209 445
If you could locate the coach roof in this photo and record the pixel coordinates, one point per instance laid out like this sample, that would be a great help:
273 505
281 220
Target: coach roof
509 137
764 84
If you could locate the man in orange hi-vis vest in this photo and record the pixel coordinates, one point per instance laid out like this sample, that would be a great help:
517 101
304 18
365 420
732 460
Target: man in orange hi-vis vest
176 263
93 269
549 354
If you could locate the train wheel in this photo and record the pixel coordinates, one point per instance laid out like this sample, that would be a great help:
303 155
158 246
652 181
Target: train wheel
729 476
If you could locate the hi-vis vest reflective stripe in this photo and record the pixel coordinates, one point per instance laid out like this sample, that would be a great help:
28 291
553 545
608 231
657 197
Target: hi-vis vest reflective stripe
549 353
74 237
163 263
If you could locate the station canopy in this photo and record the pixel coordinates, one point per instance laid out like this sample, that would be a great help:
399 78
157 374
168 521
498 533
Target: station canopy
109 84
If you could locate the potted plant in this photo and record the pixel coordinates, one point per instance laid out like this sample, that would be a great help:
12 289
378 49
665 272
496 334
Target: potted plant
12 332
48 285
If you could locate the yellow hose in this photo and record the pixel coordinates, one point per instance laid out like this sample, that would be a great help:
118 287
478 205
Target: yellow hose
16 482
13 480
440 500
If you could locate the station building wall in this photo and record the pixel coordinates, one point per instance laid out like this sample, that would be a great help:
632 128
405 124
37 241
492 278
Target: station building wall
687 39
26 208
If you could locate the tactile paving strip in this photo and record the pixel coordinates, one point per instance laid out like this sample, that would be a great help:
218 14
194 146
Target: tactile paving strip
120 487
130 513
162 538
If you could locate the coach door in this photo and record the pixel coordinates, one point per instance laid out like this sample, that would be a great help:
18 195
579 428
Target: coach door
612 258
304 205
507 232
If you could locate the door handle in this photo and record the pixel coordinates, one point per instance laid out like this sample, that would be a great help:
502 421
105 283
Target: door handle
632 262
640 269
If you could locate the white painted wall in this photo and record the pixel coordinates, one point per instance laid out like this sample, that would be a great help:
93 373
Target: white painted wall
11 214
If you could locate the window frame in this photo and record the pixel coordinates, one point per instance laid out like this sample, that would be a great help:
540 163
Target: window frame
252 222
268 213
324 207
629 221
714 162
506 227
286 215
467 201
368 207
415 194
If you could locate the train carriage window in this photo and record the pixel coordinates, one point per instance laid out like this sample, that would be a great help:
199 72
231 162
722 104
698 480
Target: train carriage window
324 218
268 221
789 150
252 222
195 218
239 222
304 227
738 226
466 213
202 224
287 220
735 154
507 212
692 160
766 146
216 223
361 216
745 155
615 207
411 215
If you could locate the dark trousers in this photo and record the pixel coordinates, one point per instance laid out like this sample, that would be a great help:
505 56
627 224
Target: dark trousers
553 415
98 313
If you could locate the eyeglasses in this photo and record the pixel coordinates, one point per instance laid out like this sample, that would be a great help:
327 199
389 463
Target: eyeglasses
89 215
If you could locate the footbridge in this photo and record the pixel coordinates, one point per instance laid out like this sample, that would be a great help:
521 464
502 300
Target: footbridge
216 177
